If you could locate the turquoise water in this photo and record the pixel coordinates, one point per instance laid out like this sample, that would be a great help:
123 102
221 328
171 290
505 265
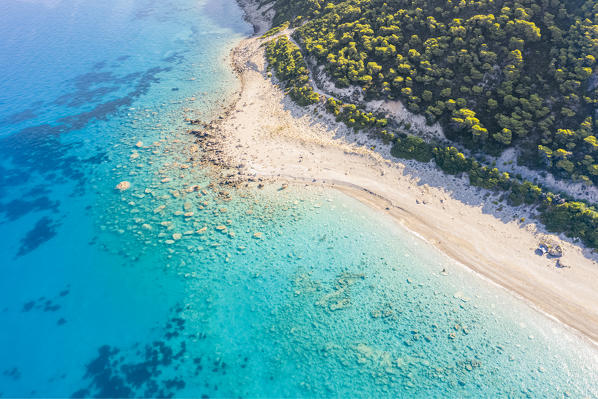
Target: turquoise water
184 287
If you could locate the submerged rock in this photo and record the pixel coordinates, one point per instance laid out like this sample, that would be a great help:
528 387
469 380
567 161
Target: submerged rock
123 185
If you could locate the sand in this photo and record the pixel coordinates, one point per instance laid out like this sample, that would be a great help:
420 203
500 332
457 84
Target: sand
264 135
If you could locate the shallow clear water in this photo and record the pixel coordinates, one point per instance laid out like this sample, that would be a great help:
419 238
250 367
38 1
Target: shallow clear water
166 289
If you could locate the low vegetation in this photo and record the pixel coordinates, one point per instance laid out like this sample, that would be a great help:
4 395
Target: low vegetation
494 73
289 66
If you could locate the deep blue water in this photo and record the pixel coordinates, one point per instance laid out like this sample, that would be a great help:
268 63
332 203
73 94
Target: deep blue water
115 294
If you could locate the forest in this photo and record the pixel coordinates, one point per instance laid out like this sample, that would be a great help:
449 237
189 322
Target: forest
494 74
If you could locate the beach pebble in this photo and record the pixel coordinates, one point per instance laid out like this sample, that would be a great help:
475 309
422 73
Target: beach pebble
159 208
257 235
177 236
146 226
123 185
139 144
169 242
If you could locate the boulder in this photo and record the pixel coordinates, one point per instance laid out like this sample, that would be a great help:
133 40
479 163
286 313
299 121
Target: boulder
123 185
555 251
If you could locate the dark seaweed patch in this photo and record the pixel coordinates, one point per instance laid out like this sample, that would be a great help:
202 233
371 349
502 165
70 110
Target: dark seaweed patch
50 307
46 305
38 152
12 373
140 370
112 375
99 65
87 90
17 208
19 117
44 230
28 306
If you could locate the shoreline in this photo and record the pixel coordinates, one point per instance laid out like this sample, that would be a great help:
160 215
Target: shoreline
263 135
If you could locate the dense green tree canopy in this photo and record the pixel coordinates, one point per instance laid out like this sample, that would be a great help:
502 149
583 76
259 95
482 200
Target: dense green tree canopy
494 73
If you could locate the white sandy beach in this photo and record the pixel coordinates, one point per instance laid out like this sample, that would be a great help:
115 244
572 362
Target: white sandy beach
264 135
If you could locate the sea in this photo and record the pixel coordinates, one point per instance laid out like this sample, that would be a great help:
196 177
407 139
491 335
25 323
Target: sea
181 286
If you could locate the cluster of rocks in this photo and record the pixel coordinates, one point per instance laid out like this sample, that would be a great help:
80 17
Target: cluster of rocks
550 249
